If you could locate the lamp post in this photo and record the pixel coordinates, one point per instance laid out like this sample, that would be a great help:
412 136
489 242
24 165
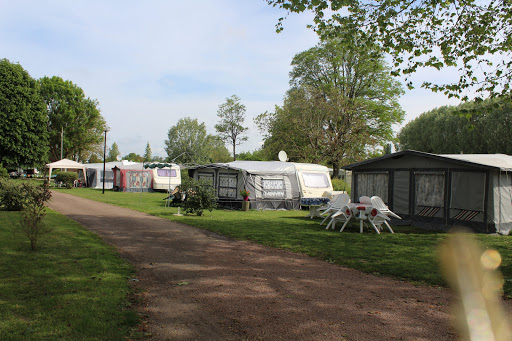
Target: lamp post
61 141
104 158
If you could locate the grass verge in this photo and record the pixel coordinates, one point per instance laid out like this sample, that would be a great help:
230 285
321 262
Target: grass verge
74 287
410 254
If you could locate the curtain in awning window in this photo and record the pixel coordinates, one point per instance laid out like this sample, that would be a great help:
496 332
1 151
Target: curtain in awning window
370 184
429 189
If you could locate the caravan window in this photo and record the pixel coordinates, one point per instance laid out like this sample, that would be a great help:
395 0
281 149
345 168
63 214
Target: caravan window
227 186
315 180
166 173
273 188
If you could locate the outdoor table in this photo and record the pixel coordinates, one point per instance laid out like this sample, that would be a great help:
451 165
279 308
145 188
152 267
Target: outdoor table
314 204
360 212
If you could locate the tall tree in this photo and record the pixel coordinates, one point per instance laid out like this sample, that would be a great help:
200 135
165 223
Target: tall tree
232 116
342 104
217 151
470 128
113 152
147 153
23 135
426 34
134 157
72 117
188 142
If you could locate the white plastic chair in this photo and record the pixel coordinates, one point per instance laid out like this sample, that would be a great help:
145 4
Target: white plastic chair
343 215
376 219
338 203
365 200
379 204
329 204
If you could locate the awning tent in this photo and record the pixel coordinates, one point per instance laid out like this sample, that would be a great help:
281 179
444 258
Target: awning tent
440 191
133 178
66 164
95 174
272 184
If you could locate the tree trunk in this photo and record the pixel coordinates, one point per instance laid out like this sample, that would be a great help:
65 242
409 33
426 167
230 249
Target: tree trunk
234 151
335 170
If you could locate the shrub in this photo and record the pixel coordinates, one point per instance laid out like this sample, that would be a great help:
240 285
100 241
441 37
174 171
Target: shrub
31 219
12 196
3 173
340 185
67 178
200 196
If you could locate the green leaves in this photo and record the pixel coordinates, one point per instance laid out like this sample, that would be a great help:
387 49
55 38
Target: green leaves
189 141
77 117
477 127
427 34
23 135
342 104
232 116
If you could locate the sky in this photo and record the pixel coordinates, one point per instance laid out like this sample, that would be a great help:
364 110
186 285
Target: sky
150 63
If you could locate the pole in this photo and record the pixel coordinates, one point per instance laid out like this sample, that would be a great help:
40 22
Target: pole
61 139
104 157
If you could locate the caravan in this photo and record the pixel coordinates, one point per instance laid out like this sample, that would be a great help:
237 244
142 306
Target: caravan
166 178
271 184
314 180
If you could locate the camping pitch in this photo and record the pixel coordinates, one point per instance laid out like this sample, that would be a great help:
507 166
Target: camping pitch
271 184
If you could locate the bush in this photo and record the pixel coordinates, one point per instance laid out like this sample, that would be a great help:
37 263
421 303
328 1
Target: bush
67 178
12 196
340 185
31 219
3 173
200 196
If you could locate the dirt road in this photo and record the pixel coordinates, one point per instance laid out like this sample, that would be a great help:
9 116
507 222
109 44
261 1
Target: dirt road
201 286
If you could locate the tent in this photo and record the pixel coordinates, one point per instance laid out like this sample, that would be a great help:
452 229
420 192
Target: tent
95 173
66 164
272 184
132 178
440 191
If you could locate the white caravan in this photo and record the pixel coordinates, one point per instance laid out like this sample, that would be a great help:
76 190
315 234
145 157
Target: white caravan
314 180
166 178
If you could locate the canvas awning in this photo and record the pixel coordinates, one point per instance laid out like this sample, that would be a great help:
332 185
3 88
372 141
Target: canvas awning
159 165
65 164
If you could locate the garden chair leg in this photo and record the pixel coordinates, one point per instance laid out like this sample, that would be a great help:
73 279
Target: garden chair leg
374 227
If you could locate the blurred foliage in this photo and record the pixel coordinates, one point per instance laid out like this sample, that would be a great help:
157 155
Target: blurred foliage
471 128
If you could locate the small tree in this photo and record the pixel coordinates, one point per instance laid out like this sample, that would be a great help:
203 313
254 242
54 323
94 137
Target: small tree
113 152
232 116
147 154
200 196
31 218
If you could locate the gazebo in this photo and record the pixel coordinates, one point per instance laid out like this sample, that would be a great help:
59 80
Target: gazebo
66 164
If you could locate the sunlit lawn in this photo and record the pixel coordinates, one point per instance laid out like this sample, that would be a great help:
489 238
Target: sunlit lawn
75 287
409 254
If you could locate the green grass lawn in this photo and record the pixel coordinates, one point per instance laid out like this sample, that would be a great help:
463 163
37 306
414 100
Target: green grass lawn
74 287
409 254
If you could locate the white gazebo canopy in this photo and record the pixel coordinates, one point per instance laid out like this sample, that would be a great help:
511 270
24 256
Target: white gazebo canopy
65 164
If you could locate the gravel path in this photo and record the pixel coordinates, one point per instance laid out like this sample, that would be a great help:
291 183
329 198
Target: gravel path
201 286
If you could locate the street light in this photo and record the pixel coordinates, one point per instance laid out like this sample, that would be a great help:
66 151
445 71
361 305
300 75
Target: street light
104 158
